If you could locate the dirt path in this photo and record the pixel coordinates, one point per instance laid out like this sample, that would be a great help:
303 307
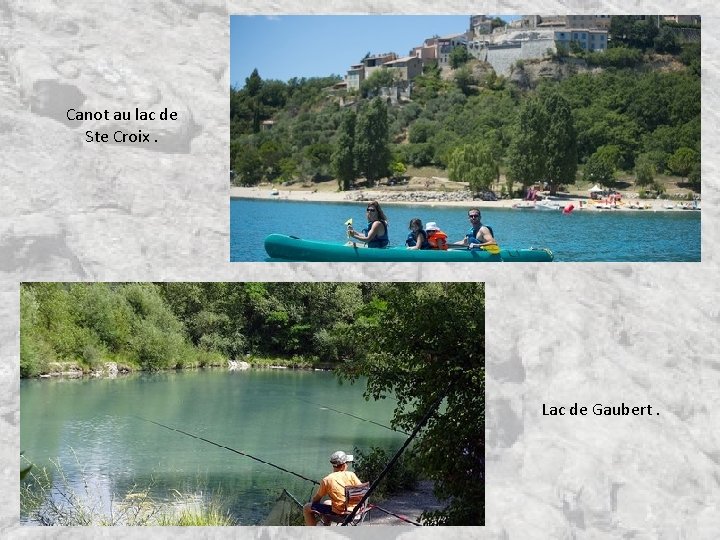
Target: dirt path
410 504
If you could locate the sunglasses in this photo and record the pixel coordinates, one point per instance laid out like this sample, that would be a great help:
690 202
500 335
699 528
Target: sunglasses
371 209
474 216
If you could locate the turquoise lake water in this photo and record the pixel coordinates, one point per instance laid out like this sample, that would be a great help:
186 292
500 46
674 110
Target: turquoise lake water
583 236
280 416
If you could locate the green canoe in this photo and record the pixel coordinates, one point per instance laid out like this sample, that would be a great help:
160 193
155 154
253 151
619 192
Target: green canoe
291 248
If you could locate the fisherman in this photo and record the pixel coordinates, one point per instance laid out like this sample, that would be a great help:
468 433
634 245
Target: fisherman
333 486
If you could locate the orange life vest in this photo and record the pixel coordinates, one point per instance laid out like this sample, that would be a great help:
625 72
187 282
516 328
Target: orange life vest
437 239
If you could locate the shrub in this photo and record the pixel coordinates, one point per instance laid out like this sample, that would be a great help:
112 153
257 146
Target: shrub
369 466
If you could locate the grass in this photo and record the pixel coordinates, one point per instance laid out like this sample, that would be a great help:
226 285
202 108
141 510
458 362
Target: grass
48 498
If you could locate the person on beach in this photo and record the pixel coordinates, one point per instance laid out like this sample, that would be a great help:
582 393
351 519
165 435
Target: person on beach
376 233
478 235
417 239
332 486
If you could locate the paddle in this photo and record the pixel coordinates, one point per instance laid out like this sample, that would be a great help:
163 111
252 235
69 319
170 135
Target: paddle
493 249
348 223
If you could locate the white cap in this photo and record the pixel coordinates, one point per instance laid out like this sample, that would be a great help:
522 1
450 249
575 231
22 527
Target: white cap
340 458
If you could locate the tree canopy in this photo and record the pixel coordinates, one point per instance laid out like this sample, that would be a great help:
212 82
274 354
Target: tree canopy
372 153
628 102
425 341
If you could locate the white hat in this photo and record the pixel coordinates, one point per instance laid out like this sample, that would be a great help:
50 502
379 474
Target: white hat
339 458
431 226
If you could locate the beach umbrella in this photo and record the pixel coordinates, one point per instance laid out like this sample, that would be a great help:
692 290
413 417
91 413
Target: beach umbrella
595 189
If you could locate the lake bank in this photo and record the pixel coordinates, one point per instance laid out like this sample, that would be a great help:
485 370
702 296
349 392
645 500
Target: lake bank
410 503
111 370
441 198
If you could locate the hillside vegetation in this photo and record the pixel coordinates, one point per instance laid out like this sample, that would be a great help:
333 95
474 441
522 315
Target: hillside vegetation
155 326
631 111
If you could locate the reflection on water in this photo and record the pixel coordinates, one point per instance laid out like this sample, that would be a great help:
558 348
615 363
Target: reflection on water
93 426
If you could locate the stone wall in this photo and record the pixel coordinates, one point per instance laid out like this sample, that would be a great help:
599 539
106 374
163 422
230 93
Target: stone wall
503 58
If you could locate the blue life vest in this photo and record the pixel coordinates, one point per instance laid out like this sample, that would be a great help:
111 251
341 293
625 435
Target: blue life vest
472 232
412 240
380 241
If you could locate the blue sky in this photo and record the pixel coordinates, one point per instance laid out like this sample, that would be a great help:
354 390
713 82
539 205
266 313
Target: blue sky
286 46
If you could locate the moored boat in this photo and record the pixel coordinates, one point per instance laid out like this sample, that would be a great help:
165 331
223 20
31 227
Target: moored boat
548 204
524 205
292 248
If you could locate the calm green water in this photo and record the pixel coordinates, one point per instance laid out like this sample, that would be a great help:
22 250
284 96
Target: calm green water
583 236
266 413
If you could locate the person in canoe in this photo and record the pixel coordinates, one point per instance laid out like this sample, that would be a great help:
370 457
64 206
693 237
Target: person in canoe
417 238
436 238
376 233
478 235
332 486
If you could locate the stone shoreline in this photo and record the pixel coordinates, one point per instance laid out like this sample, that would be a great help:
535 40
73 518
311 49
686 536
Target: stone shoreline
441 198
111 370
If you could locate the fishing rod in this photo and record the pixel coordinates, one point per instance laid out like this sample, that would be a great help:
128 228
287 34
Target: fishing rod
397 455
354 416
228 448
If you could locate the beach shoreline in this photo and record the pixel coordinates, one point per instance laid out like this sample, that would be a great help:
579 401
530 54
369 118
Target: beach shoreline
441 198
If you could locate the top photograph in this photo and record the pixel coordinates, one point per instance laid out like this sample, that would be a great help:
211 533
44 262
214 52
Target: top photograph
475 138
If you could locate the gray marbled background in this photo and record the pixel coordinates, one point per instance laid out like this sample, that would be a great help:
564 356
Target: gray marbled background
559 334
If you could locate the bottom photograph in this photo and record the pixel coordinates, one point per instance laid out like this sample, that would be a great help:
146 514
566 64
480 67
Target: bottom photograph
211 404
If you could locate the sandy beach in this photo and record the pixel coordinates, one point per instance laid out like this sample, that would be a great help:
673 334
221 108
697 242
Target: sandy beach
444 198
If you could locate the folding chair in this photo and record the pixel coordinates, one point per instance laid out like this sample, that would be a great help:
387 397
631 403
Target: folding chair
353 495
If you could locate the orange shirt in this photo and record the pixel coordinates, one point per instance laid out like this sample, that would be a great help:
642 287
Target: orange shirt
333 485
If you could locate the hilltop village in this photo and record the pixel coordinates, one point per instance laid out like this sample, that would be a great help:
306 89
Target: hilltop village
539 105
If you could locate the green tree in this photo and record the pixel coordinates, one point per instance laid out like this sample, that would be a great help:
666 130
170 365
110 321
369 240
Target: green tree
270 154
423 341
248 166
372 150
459 56
475 164
497 22
319 157
644 171
560 143
643 34
465 81
666 42
631 31
253 85
694 177
343 159
422 130
380 78
397 168
683 161
599 169
428 85
526 154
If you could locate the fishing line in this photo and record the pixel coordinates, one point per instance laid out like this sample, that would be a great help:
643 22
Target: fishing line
228 448
354 416
399 516
397 455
